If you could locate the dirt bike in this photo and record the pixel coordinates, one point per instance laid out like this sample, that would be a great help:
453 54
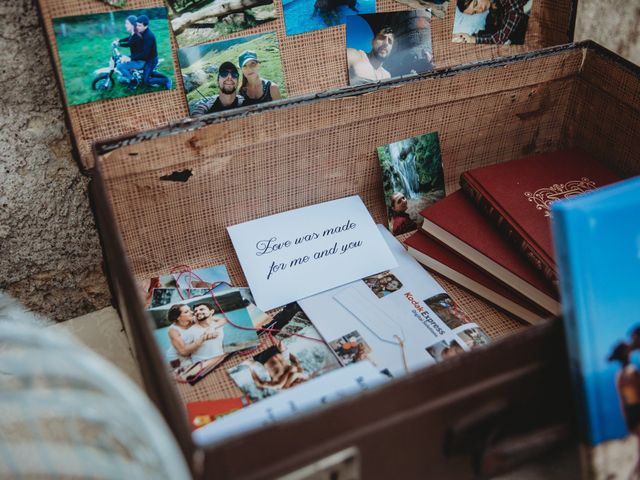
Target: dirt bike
104 79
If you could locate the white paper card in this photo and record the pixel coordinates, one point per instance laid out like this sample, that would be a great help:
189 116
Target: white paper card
393 306
302 252
316 393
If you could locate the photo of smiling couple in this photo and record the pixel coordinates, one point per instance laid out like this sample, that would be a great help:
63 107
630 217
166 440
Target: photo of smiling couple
234 73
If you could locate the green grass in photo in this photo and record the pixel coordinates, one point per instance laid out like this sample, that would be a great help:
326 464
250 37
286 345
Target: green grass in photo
84 45
200 58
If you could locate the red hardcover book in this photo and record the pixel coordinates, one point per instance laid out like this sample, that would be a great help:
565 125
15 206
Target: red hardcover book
516 196
435 256
458 224
204 412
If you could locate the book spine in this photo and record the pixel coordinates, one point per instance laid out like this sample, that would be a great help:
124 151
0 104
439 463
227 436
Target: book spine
505 227
574 336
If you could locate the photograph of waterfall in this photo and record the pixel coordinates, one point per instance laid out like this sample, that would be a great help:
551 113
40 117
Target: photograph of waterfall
412 179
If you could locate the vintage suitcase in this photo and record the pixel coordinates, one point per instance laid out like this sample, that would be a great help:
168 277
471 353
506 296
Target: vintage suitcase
474 415
312 62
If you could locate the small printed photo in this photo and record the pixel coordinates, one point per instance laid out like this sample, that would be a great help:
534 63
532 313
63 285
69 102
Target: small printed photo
302 16
200 21
166 296
204 412
448 311
232 73
412 179
351 348
383 284
388 45
492 22
445 349
115 54
474 337
298 355
216 277
204 329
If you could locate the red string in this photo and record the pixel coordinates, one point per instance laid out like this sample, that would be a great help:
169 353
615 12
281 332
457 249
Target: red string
180 270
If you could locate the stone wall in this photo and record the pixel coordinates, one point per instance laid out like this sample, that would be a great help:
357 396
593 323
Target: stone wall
50 255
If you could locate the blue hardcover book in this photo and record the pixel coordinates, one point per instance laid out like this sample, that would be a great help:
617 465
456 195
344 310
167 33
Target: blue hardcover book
597 243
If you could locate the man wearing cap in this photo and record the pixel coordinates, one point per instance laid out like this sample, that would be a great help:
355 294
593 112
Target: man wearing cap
227 98
367 67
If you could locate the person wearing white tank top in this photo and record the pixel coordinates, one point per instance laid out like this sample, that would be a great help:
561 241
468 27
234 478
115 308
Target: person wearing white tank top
207 325
184 339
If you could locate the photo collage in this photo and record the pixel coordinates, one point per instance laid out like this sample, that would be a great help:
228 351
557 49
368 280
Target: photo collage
127 52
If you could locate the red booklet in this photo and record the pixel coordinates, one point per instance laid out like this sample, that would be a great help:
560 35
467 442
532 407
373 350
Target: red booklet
204 412
516 196
458 224
435 256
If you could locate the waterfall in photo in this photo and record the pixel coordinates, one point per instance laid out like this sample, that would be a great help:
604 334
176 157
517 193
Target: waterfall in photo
404 176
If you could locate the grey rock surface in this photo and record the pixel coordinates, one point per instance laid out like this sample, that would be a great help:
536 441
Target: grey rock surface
50 256
614 24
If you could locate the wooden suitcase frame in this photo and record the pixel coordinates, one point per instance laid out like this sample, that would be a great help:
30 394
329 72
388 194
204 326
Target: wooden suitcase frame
468 411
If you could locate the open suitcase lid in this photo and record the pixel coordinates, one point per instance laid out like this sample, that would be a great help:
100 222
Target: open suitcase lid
533 101
313 62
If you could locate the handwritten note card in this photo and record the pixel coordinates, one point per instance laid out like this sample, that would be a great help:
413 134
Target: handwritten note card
294 254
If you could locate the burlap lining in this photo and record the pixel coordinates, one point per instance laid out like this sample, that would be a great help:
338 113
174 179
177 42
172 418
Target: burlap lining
312 62
252 166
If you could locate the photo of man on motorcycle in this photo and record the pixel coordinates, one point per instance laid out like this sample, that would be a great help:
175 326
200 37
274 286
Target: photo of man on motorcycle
144 53
137 63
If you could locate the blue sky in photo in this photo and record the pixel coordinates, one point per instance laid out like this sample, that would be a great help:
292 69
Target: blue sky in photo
359 34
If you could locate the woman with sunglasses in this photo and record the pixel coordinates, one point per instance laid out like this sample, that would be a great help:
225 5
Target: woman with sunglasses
227 98
253 88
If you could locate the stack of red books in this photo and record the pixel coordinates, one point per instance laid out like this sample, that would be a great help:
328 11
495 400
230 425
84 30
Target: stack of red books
493 236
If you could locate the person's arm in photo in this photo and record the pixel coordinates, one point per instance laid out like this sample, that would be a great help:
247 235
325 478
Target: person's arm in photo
353 57
202 107
275 91
123 42
275 383
184 349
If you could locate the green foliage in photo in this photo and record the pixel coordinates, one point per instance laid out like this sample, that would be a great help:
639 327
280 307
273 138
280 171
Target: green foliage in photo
424 153
84 45
207 58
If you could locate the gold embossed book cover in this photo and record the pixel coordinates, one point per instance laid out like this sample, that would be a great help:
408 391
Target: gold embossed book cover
517 195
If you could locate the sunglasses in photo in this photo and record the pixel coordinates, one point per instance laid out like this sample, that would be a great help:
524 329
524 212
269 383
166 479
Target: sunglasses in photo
224 73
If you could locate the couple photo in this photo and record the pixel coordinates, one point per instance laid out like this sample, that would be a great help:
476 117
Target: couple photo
233 73
194 335
115 54
292 353
200 331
